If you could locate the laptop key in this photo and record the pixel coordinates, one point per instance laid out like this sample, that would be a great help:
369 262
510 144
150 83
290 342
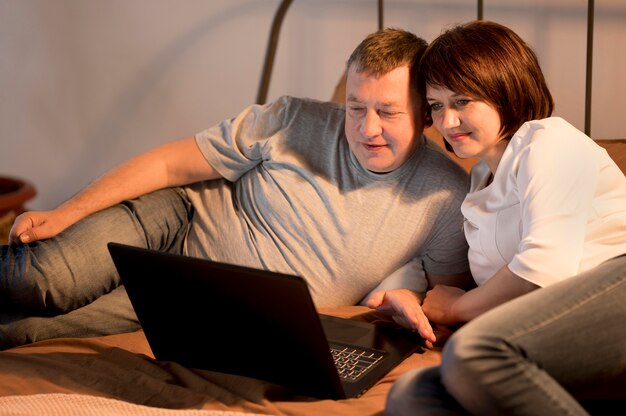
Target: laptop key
353 363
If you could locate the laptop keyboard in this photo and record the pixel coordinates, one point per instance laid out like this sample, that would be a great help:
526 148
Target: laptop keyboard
353 363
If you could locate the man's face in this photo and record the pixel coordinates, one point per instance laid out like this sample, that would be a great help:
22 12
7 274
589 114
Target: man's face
380 119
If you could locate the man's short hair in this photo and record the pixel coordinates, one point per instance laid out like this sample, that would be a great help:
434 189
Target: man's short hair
387 49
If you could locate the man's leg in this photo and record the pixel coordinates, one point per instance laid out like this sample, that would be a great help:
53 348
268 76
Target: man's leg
111 313
71 270
546 351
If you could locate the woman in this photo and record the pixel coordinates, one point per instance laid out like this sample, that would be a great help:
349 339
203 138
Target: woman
546 204
560 350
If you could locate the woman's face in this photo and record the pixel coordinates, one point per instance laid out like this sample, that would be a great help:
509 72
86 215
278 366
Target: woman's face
472 127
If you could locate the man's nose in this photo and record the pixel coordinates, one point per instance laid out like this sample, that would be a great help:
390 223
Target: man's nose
371 126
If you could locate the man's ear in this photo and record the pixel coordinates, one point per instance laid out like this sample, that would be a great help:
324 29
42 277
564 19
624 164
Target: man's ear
339 95
428 120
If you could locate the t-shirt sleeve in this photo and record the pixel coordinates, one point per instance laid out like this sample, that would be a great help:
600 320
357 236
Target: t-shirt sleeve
446 250
410 276
237 145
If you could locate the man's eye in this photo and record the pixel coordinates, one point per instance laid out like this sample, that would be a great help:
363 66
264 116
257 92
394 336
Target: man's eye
356 110
388 114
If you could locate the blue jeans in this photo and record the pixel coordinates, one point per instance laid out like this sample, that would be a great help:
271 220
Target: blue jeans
67 286
558 350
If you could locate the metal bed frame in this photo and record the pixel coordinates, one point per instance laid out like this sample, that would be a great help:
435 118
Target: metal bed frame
279 17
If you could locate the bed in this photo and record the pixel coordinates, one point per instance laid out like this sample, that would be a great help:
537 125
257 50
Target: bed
118 375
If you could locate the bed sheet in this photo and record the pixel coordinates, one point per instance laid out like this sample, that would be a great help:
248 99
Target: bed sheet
118 375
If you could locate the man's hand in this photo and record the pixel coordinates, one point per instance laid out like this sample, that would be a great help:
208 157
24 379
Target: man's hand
438 303
36 225
404 307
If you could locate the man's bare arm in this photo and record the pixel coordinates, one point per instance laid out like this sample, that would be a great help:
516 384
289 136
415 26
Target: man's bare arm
172 164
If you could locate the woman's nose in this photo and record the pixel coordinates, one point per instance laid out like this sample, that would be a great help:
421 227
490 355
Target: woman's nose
449 118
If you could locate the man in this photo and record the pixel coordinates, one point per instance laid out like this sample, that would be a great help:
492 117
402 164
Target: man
342 196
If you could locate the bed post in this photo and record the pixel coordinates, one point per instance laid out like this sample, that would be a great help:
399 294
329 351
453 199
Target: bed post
271 51
590 18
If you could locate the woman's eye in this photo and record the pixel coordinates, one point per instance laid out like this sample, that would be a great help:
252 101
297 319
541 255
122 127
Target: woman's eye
462 103
435 107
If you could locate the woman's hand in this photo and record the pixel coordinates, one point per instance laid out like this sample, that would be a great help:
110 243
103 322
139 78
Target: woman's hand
448 305
438 303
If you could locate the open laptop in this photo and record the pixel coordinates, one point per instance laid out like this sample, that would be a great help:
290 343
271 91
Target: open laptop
260 324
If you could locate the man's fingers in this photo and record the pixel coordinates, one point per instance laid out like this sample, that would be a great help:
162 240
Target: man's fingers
415 320
26 229
428 334
28 236
375 300
405 311
17 229
23 235
420 323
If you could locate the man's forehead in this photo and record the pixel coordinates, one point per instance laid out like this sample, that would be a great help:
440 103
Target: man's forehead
355 70
400 74
385 103
388 90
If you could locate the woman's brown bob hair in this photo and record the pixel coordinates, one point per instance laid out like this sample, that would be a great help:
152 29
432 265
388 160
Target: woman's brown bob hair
491 63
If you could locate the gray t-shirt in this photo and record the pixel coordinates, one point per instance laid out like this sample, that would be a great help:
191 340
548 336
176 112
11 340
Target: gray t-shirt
295 200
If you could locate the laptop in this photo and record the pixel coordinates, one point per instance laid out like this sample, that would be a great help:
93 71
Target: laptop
238 320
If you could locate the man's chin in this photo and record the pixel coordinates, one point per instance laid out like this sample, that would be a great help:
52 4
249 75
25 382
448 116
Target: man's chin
379 167
378 163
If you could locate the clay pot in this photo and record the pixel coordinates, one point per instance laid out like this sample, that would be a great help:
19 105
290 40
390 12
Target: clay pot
13 194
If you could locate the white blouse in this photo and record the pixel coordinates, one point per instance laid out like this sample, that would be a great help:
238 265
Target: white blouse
555 208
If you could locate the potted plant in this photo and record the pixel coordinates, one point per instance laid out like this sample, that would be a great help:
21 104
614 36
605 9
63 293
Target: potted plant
14 193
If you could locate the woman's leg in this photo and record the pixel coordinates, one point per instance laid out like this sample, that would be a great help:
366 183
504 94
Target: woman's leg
544 352
420 392
73 269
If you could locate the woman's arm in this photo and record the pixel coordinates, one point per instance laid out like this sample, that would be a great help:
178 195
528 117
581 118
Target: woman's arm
450 305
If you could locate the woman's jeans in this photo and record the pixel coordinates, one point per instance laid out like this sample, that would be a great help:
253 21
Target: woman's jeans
68 286
559 350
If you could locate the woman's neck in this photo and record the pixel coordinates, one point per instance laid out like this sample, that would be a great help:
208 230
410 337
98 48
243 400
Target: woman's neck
493 157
